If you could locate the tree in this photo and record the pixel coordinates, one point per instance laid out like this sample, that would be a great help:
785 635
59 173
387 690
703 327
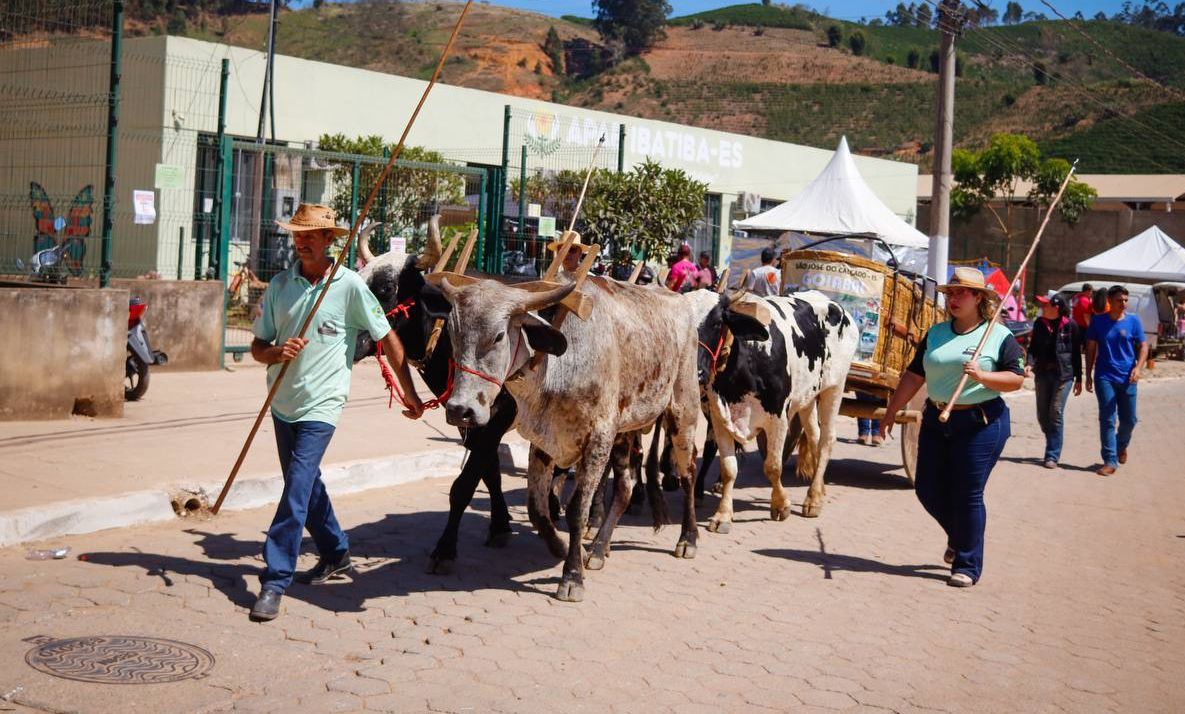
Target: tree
935 61
177 22
553 47
983 179
635 24
834 36
1040 74
1013 13
857 43
923 16
410 193
913 58
646 209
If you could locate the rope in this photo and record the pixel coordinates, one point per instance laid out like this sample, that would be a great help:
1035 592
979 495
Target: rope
715 353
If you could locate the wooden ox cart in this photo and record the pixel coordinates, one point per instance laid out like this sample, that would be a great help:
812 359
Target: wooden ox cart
892 310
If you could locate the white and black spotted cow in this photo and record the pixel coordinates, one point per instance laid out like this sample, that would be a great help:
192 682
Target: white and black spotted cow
759 384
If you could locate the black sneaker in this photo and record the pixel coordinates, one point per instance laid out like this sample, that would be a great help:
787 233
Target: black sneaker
326 569
267 607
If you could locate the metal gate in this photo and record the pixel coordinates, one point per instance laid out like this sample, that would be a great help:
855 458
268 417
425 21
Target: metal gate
260 184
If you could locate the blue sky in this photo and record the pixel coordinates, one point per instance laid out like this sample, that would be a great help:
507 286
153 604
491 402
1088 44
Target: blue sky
847 9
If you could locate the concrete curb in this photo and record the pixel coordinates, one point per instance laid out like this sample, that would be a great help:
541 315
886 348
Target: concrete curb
137 507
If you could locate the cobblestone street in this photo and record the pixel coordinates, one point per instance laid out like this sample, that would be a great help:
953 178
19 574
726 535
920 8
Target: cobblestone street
1081 607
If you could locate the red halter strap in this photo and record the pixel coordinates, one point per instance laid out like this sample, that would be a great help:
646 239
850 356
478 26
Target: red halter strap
486 377
393 384
715 353
403 308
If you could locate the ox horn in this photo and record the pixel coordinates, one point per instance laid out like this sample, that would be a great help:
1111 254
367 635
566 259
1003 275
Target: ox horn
451 292
364 243
532 301
432 248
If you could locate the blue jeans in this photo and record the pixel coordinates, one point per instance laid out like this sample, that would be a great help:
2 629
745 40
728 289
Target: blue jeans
304 503
954 462
1115 397
1051 405
867 427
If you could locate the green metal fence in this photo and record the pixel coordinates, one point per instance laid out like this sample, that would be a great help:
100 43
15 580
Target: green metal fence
262 184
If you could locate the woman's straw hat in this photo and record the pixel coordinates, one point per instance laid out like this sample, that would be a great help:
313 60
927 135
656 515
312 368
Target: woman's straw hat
313 217
576 245
969 279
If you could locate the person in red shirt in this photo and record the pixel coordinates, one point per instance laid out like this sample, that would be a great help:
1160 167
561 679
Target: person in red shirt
1080 312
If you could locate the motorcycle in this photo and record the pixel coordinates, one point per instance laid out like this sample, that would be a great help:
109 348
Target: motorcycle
140 353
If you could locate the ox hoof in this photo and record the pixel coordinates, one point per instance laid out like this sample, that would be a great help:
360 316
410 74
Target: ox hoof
440 566
718 488
570 592
498 540
685 550
594 561
811 510
781 514
590 533
719 526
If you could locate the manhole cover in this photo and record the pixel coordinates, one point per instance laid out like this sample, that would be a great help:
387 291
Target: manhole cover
120 660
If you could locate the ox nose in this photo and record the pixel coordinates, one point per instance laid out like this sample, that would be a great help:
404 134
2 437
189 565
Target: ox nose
460 415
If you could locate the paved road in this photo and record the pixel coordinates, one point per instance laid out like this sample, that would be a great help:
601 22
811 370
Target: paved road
1081 608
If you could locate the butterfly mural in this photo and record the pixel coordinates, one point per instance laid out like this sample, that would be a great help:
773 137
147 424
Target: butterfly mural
63 233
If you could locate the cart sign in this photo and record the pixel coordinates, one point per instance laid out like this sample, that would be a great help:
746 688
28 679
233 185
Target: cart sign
858 290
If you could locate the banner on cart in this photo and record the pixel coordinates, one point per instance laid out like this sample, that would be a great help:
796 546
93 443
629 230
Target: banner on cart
859 290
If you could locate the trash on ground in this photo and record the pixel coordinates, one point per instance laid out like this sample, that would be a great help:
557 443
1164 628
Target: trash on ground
48 554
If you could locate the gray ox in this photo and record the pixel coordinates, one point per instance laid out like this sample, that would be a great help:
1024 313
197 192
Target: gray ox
761 386
605 377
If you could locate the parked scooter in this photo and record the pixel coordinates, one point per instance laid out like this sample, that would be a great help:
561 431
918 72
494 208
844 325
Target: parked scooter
140 353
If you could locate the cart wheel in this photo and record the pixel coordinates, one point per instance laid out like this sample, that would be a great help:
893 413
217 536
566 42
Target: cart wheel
909 436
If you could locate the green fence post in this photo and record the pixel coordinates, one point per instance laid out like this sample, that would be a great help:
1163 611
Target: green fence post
197 251
383 203
355 178
522 198
620 148
499 196
483 215
112 131
181 253
221 191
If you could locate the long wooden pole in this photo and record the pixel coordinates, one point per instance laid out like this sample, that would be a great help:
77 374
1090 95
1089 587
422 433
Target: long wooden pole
374 191
945 415
564 247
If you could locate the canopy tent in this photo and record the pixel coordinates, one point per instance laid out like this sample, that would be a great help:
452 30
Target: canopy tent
1151 256
838 202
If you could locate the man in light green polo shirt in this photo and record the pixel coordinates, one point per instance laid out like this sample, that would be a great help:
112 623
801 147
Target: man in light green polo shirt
309 401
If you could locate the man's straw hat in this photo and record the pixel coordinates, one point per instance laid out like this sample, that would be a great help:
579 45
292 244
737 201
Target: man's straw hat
576 245
313 217
969 279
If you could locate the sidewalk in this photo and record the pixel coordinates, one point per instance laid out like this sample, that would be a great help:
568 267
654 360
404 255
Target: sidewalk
85 474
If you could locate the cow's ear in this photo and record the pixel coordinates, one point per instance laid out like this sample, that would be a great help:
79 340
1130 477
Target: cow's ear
434 303
745 327
543 337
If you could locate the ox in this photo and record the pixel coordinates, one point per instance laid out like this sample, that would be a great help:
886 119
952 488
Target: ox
604 379
759 386
397 280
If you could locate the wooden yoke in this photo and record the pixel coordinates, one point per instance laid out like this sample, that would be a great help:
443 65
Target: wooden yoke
722 282
578 277
637 271
441 264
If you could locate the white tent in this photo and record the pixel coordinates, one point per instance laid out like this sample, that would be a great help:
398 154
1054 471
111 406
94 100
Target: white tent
838 202
1151 255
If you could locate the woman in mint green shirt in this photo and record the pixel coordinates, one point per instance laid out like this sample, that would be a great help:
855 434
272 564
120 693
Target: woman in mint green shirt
956 458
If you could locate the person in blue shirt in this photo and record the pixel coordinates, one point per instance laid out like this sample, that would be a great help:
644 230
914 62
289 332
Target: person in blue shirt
1115 356
956 458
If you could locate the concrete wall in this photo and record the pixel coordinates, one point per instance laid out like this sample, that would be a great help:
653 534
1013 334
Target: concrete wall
184 320
61 345
1062 246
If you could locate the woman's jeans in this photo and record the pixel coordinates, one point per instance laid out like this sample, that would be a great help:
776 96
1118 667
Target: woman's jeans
1115 397
867 427
304 503
954 462
1052 394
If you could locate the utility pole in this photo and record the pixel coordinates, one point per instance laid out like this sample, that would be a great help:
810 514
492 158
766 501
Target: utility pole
264 102
112 135
949 22
261 156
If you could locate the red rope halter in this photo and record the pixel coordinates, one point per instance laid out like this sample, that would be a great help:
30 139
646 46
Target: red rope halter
716 352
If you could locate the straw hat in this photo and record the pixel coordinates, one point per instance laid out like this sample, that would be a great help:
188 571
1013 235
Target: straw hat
576 245
313 217
969 279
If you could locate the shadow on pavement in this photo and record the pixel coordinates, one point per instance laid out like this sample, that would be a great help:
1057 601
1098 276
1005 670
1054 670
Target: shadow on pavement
833 562
389 556
1037 461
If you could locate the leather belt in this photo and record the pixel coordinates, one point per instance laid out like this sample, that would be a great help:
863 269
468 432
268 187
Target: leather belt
955 408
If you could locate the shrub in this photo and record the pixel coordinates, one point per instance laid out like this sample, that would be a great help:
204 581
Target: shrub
857 43
834 36
913 58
